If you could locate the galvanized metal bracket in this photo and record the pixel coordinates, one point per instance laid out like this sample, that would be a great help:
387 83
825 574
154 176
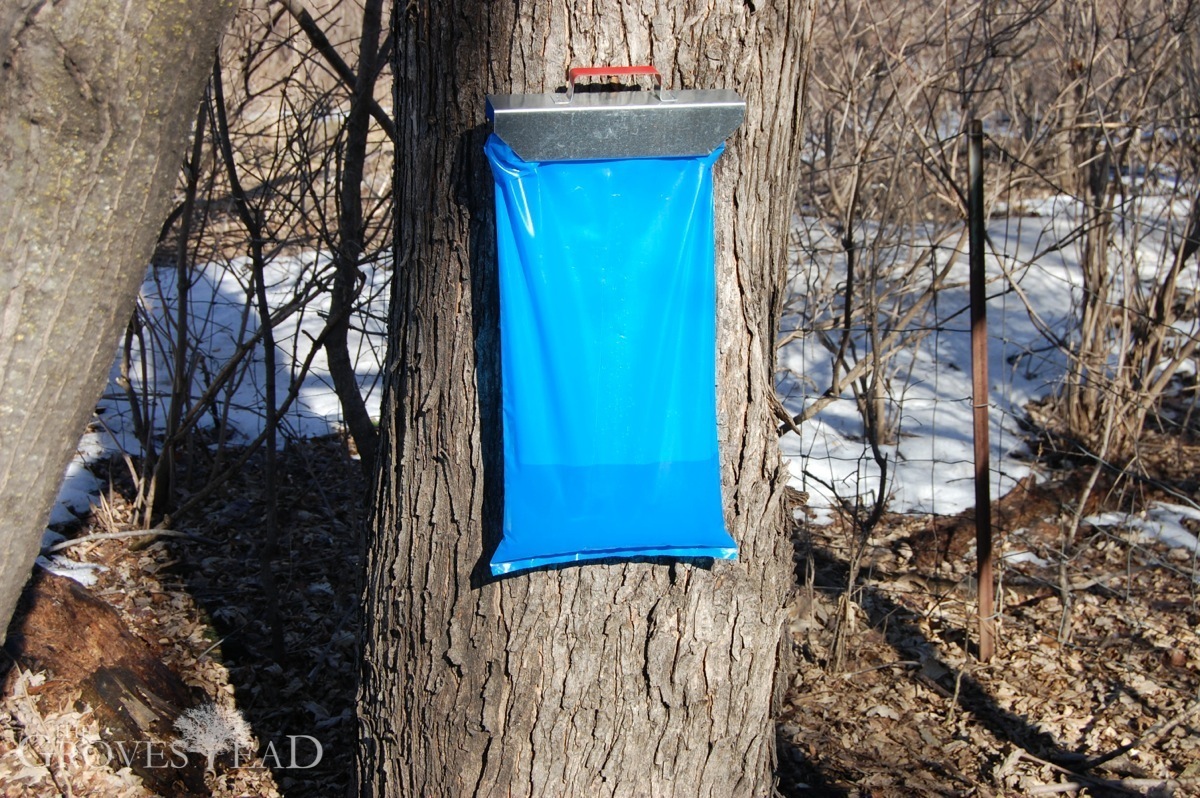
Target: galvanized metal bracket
585 126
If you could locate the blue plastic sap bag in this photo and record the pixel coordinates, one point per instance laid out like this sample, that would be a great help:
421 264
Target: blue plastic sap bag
608 344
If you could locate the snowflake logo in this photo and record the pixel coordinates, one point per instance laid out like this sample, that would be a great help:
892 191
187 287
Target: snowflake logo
213 730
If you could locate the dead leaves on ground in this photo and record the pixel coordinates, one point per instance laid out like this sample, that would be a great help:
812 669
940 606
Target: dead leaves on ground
915 713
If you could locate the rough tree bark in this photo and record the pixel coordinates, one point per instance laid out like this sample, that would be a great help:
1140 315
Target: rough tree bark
95 102
632 679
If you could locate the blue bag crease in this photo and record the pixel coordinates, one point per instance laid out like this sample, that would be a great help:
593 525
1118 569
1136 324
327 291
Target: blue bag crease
608 331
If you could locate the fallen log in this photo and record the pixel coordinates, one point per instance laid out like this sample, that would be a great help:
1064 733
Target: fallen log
85 647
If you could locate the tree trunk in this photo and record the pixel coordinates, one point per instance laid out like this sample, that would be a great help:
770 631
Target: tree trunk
95 103
627 679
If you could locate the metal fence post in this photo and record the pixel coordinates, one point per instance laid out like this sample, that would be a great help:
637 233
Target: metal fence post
979 396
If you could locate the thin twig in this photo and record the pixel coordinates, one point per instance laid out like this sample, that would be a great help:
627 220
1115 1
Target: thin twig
1152 734
133 533
329 52
1131 786
904 663
1078 777
208 650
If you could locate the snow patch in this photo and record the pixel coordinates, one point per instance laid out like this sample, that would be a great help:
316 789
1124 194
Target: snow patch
82 572
1161 523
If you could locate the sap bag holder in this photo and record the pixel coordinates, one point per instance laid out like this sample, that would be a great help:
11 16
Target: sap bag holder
604 223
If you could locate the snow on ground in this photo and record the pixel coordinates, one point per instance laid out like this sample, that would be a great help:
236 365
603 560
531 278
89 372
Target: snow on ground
1161 522
931 465
1034 292
221 320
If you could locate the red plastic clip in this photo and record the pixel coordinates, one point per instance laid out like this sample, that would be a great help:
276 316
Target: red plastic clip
613 71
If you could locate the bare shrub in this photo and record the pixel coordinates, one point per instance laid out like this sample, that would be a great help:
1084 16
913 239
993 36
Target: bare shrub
291 159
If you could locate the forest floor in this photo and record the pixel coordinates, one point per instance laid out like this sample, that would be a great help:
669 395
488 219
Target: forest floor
1097 695
885 694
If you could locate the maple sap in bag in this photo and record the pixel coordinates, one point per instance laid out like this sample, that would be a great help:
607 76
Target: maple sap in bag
608 326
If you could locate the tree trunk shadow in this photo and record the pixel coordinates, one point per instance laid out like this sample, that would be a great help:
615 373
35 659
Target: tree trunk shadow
910 643
310 691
